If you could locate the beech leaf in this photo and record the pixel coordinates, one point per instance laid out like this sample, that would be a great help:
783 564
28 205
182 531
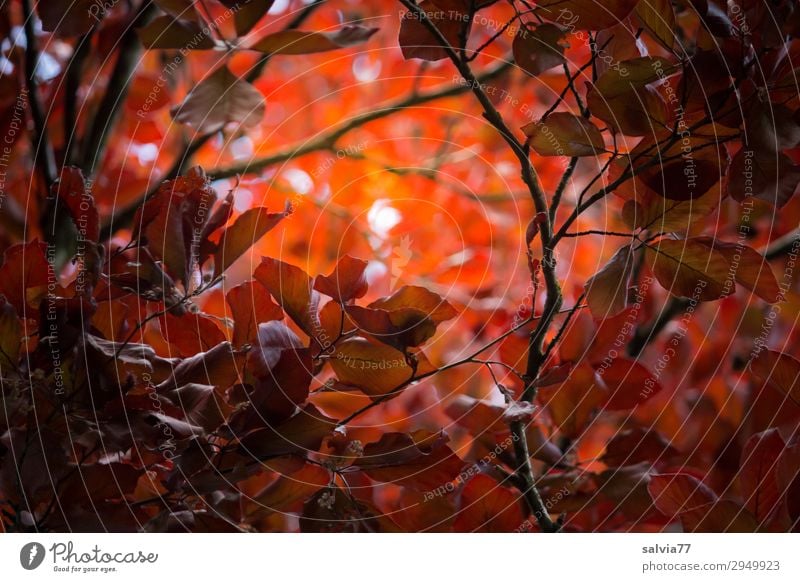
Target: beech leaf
219 100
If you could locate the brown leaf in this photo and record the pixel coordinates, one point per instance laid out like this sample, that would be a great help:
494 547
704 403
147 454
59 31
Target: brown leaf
250 305
721 516
658 17
634 112
301 433
658 214
333 510
565 134
539 50
420 460
771 177
347 281
417 42
607 290
299 42
292 289
488 507
202 405
69 17
585 14
688 268
758 474
219 100
400 328
676 493
246 231
248 13
751 270
273 337
219 366
167 32
779 369
168 222
432 305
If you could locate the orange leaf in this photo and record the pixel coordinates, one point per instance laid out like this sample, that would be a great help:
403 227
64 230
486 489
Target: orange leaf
346 282
242 234
250 305
291 288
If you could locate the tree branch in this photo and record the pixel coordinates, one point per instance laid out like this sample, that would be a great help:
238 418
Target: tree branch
553 300
71 89
321 142
103 121
42 148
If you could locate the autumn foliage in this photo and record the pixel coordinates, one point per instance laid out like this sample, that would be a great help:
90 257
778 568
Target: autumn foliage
450 265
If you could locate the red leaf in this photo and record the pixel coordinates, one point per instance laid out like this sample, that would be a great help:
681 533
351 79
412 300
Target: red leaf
346 282
758 473
301 433
629 384
572 403
432 305
419 460
191 333
71 190
586 14
539 50
676 493
406 319
291 288
487 506
250 305
722 516
242 234
607 290
779 369
24 277
636 446
417 42
374 368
